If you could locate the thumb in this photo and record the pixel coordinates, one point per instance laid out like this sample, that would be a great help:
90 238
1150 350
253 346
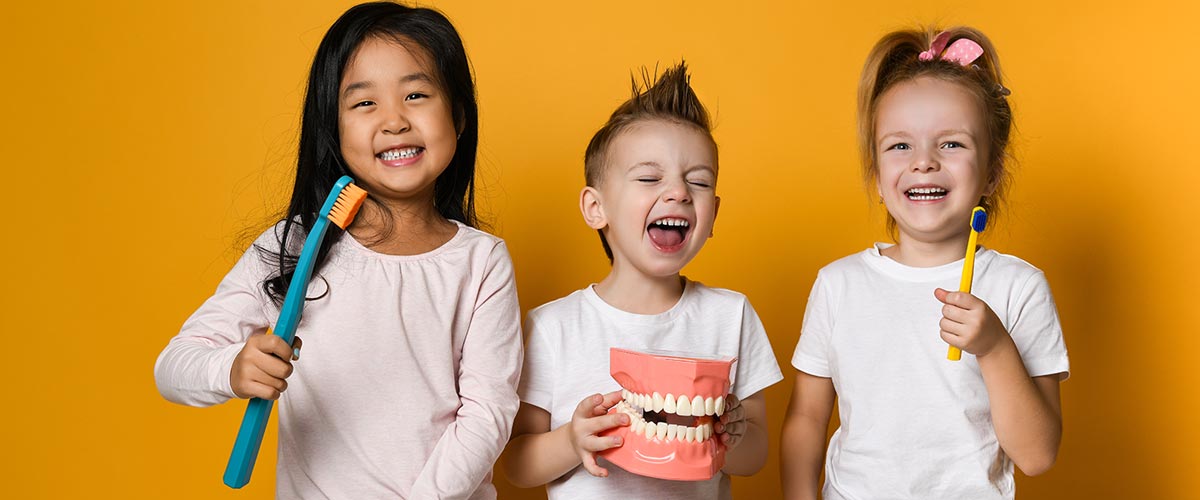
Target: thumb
941 294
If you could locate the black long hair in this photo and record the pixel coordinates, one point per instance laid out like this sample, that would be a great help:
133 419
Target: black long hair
320 163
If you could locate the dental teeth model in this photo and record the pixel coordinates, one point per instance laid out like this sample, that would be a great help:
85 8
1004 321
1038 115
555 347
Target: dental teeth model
672 402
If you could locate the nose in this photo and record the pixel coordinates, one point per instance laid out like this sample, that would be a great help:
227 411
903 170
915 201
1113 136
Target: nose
395 122
926 162
677 191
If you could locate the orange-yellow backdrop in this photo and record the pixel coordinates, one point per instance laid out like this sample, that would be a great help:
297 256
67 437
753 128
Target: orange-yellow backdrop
141 141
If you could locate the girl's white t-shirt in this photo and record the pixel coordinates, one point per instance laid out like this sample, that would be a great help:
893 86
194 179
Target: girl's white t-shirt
915 425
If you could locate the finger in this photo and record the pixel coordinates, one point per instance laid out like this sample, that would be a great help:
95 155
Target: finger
600 443
941 294
265 378
952 339
296 345
731 402
589 463
955 313
586 407
951 327
602 423
274 366
607 401
261 391
279 348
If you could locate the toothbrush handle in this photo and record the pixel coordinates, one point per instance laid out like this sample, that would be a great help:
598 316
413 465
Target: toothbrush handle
249 440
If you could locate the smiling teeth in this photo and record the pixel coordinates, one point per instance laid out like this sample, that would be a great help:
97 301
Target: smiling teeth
926 193
396 154
671 222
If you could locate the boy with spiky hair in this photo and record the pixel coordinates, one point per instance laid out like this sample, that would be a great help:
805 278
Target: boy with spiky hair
651 174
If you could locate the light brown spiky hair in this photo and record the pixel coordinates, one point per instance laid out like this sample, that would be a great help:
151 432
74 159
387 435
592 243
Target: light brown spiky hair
895 60
669 98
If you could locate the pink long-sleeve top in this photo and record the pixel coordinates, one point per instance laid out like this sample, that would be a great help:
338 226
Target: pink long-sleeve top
406 384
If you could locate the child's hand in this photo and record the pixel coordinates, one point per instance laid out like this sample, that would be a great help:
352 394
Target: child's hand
968 323
591 417
260 368
732 425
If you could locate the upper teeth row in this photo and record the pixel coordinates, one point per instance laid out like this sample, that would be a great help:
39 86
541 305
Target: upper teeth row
396 154
664 431
929 190
672 222
681 405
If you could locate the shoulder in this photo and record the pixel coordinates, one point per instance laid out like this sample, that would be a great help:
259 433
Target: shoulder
559 309
1014 268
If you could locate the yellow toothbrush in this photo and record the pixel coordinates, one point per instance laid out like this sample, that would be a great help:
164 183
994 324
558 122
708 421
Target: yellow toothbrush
978 222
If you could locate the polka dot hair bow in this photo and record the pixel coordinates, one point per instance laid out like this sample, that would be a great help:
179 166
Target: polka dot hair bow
963 51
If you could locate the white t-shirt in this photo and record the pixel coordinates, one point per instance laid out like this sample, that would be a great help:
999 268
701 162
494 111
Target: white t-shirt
913 424
406 384
566 360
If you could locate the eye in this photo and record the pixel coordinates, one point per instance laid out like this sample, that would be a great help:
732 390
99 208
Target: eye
362 103
899 146
647 180
414 95
700 183
952 144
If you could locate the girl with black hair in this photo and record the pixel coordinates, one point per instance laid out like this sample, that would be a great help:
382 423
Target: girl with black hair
412 330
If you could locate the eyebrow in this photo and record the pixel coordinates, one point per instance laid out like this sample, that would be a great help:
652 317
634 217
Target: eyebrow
366 84
651 164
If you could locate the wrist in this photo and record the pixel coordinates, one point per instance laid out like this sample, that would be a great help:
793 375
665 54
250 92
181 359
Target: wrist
1003 348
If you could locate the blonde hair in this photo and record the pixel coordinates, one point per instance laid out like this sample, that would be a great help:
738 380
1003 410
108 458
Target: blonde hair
669 98
896 59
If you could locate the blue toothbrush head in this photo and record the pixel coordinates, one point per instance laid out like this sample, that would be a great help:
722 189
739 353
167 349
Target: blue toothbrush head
978 219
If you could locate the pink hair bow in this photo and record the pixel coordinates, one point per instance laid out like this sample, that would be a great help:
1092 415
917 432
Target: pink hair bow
963 51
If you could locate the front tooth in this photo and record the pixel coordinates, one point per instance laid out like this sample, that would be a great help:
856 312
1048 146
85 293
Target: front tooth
669 404
709 406
657 401
660 430
683 407
649 431
639 427
719 405
672 430
690 434
697 406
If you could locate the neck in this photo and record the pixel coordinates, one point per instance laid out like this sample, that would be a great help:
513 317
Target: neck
401 227
632 291
915 252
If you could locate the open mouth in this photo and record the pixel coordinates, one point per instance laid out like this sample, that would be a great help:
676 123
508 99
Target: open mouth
400 154
930 193
668 233
670 417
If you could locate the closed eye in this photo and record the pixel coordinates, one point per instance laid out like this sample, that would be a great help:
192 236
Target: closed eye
647 180
703 184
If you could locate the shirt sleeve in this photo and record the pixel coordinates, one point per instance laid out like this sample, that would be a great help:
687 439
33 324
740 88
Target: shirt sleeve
1035 329
757 367
537 379
812 350
194 367
487 384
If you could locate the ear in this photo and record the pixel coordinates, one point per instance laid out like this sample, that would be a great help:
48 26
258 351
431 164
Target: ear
992 184
591 208
716 211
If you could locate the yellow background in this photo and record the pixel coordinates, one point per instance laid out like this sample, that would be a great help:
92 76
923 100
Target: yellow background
141 142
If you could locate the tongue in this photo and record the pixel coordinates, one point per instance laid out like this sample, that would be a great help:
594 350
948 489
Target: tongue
665 237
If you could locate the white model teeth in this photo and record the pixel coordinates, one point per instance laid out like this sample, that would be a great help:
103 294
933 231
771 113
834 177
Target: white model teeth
681 405
396 154
671 222
663 431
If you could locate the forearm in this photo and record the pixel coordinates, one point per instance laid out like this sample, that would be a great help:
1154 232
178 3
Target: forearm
802 457
537 458
1028 427
751 452
195 374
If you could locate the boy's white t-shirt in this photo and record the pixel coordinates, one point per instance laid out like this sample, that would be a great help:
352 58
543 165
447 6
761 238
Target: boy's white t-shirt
913 424
566 360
